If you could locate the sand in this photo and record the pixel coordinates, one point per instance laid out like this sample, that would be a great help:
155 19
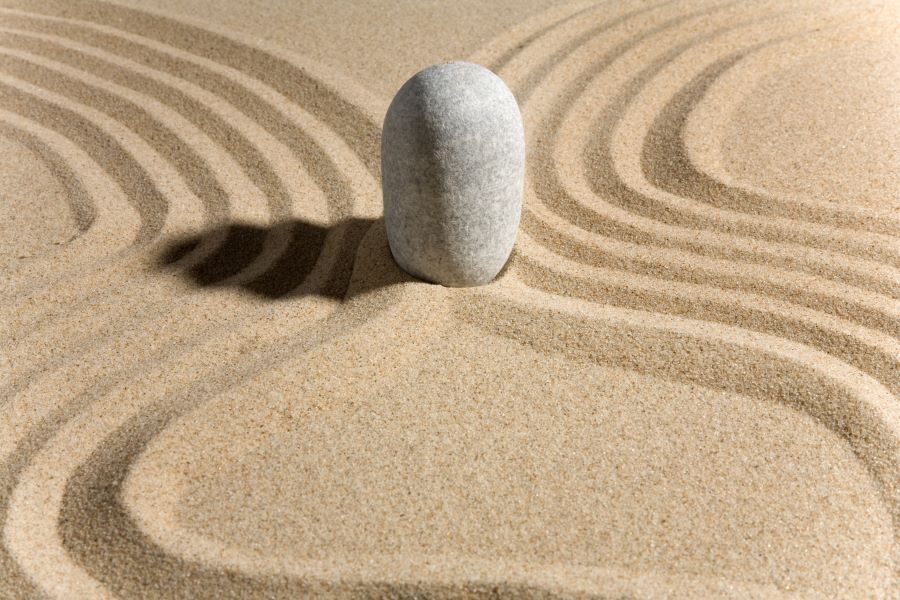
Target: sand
216 383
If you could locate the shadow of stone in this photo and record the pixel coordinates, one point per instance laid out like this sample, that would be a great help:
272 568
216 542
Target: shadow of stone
238 245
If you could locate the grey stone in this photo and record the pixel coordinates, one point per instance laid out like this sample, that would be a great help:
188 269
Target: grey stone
453 167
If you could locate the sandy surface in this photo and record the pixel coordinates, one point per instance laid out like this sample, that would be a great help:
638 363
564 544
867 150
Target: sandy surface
216 383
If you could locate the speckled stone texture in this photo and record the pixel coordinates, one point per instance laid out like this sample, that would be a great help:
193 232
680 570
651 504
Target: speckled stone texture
453 163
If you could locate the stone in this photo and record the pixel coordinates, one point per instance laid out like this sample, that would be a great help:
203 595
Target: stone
453 167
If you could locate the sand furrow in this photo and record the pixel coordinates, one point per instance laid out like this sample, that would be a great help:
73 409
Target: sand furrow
282 236
866 310
588 217
226 126
125 330
79 200
662 161
612 192
558 44
303 86
191 367
285 120
667 163
98 483
149 182
196 376
854 406
666 132
298 236
110 224
71 124
266 574
783 281
500 50
870 351
232 187
293 124
265 105
326 278
718 104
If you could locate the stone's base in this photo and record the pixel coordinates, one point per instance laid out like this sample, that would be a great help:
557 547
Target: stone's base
453 165
447 280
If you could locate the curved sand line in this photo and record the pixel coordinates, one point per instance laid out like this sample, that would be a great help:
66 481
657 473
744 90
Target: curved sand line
125 401
620 190
884 367
124 310
18 101
784 288
842 328
185 218
327 283
93 307
859 409
880 277
674 130
340 111
47 384
79 201
665 154
230 125
94 487
890 366
232 186
226 126
110 223
93 132
511 44
870 351
290 169
192 578
662 157
588 215
286 115
852 344
176 366
568 36
370 187
718 105
668 125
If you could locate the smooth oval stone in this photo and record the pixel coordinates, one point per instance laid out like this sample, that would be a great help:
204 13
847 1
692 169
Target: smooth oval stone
452 167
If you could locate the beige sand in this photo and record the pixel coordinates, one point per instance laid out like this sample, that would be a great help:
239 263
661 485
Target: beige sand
215 382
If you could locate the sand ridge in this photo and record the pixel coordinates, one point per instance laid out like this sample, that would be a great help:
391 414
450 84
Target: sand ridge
684 383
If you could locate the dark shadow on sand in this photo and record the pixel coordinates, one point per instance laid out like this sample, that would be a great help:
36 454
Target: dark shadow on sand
236 246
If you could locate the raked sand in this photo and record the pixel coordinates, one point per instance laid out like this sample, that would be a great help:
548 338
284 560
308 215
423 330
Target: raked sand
216 383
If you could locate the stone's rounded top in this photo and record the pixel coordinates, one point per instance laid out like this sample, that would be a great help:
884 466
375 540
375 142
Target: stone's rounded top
453 93
453 164
456 73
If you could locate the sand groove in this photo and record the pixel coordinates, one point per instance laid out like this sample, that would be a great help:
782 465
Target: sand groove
719 103
103 218
582 128
246 273
325 281
207 370
285 125
887 369
587 216
282 235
